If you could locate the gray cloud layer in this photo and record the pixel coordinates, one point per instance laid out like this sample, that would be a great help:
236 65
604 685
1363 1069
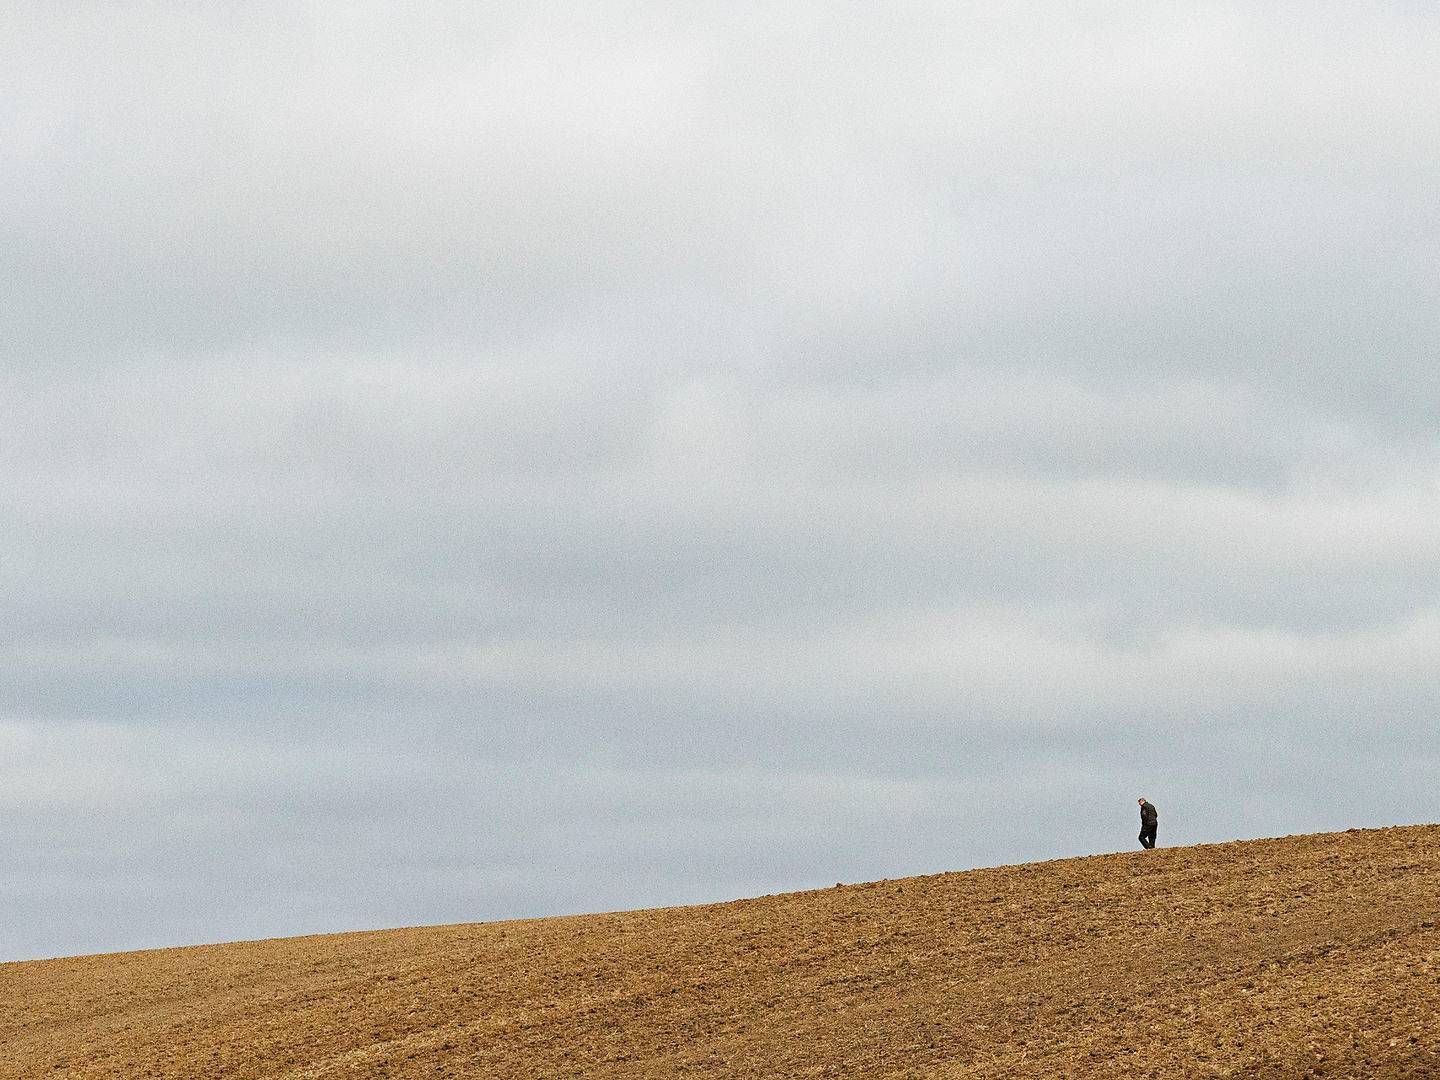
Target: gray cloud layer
510 460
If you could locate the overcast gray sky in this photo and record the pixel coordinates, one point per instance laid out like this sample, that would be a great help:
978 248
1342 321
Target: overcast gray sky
522 458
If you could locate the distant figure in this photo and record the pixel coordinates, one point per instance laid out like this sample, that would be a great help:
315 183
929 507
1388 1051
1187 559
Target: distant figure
1149 819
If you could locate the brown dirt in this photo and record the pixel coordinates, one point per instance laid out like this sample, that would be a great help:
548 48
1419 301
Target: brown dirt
1306 956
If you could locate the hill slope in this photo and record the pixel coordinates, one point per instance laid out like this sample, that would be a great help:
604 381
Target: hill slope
1303 956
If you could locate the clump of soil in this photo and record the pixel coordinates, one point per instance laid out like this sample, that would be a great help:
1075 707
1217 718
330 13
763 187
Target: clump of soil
1306 956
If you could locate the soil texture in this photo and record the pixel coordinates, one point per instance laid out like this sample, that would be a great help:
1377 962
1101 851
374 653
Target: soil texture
1307 956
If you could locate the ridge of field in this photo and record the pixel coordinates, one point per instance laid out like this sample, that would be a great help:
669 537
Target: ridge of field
1304 956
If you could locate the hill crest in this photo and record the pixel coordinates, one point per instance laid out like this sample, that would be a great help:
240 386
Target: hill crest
1312 955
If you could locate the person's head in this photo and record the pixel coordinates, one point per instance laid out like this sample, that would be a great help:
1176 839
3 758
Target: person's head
1142 802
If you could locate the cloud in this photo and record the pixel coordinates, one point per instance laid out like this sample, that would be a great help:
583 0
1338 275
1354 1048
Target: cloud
512 460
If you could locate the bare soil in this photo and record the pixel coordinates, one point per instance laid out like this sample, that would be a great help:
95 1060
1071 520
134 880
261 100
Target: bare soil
1307 956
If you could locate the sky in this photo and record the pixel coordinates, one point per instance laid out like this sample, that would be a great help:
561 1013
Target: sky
490 460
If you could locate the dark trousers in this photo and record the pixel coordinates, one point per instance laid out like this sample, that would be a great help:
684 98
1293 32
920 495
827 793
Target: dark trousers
1147 835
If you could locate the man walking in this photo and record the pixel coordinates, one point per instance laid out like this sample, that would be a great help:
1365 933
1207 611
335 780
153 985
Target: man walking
1149 819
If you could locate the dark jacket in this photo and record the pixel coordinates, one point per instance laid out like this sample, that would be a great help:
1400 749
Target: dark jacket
1148 814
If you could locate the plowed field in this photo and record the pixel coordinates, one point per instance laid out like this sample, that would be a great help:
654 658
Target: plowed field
1298 957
